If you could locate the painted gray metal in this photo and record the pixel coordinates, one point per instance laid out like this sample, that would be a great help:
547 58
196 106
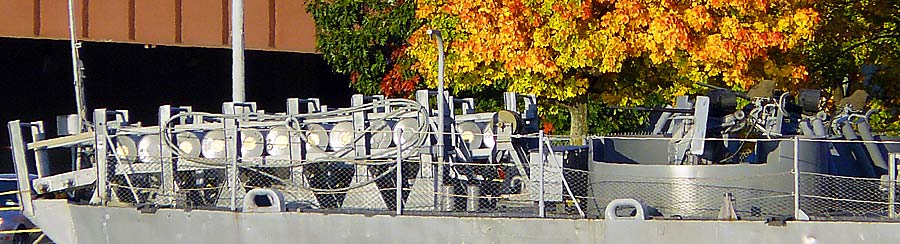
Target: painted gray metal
67 223
696 190
24 181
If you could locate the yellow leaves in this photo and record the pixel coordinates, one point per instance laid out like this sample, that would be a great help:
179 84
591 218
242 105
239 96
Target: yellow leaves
679 91
541 37
556 88
698 18
805 21
549 47
799 72
783 24
728 26
613 55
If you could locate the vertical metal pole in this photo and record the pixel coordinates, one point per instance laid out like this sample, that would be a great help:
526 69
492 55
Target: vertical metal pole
437 186
294 142
232 143
543 162
796 178
359 119
21 163
100 155
167 163
398 204
441 100
42 165
76 70
892 176
442 152
237 50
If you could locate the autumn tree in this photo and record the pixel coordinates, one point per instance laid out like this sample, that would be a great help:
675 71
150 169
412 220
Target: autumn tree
571 52
366 39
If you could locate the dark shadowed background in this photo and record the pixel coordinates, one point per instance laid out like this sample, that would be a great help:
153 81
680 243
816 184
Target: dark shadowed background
36 81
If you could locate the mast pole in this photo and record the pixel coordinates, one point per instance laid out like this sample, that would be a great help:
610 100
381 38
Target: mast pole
77 71
237 51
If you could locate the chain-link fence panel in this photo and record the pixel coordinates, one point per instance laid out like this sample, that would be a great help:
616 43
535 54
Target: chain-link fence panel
330 186
845 198
561 174
697 198
134 173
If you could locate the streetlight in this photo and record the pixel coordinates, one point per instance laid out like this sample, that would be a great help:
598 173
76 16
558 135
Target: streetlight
441 100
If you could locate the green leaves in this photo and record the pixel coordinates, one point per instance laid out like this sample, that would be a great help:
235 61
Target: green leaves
859 41
360 38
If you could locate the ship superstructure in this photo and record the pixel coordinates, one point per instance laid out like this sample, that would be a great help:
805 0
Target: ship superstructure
776 169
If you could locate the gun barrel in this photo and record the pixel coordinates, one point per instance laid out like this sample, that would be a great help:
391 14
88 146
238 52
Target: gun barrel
670 110
739 94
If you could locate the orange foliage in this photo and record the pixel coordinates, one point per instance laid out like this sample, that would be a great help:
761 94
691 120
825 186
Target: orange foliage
395 83
558 48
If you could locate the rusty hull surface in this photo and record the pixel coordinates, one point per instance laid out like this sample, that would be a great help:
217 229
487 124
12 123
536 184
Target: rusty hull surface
275 25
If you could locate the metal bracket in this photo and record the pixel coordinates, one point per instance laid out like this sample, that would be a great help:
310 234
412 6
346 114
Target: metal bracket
42 165
167 182
101 195
232 147
21 163
701 112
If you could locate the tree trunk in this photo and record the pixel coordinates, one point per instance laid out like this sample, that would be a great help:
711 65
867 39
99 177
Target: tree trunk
578 127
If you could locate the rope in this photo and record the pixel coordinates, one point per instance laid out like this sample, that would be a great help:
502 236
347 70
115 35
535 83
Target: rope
10 232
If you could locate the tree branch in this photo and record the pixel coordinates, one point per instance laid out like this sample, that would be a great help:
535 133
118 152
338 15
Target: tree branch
854 46
870 40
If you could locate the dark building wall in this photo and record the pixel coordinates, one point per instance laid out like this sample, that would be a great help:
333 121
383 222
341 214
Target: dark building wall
36 80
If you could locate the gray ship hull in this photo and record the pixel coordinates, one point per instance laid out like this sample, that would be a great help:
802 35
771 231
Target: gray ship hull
92 224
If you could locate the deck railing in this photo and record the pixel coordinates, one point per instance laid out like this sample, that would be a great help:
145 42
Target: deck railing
558 182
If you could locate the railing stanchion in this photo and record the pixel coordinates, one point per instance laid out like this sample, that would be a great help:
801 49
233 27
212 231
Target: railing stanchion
541 205
399 178
232 147
796 172
101 194
892 176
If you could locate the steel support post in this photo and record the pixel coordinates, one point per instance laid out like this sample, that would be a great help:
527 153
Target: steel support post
359 120
232 147
543 162
441 99
21 163
399 179
892 191
796 172
237 51
77 78
42 165
100 155
167 163
294 144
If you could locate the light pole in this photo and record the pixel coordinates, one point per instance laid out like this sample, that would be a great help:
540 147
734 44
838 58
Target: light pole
440 89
